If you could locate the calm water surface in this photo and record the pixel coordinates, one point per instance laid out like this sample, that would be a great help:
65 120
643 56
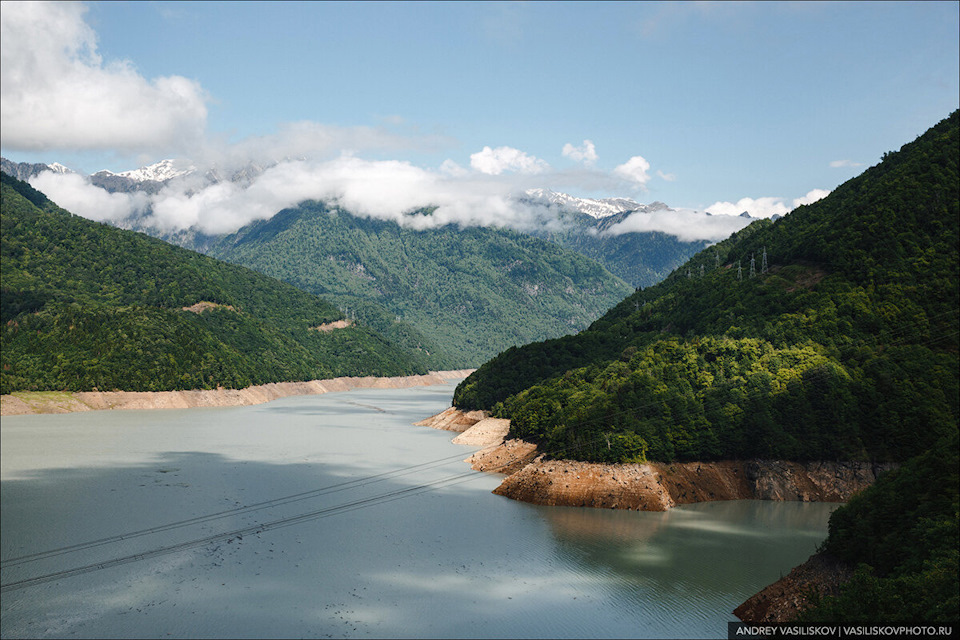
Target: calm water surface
366 526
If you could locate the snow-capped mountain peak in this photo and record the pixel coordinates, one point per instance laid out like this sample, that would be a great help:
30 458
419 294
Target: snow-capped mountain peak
159 172
598 208
56 167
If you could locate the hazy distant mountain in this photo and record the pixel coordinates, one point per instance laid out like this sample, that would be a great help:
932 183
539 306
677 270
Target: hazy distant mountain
473 291
26 170
642 258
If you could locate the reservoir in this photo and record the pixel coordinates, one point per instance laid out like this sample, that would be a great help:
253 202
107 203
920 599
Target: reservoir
333 516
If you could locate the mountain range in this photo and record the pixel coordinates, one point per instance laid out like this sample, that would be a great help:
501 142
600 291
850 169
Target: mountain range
588 226
456 296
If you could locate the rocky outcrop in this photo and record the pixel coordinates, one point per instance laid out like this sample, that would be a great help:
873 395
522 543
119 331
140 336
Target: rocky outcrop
489 432
452 419
649 486
657 486
22 403
508 457
784 599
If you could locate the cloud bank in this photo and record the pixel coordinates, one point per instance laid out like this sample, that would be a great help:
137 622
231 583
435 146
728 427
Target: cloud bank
59 94
686 225
389 190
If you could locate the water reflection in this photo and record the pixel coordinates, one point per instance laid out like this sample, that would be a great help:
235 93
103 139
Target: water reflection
456 561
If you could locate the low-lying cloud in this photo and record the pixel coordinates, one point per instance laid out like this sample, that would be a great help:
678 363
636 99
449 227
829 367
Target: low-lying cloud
684 224
74 193
766 207
387 190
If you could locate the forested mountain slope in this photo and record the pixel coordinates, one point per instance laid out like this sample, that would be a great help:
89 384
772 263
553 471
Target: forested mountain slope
843 347
831 334
470 292
86 306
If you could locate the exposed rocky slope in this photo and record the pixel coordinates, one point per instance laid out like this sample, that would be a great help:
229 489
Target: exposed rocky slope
784 599
649 486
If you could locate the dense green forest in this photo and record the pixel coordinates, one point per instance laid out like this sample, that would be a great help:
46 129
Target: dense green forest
830 334
902 536
839 342
86 306
459 294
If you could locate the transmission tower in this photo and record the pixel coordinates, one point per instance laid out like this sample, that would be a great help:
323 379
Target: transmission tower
739 271
753 267
716 254
701 270
763 263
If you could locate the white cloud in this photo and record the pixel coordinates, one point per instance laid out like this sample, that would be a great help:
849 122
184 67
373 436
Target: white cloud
836 164
686 225
496 161
756 207
586 153
764 207
72 192
634 170
388 190
57 92
313 141
812 196
669 177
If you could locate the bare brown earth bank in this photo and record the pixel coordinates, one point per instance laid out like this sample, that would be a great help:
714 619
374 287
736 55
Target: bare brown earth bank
657 486
651 486
784 599
531 477
654 486
33 402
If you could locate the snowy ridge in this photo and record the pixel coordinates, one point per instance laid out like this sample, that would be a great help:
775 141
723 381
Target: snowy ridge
159 172
602 208
56 167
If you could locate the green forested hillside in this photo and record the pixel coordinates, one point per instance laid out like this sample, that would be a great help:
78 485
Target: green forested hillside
844 347
901 535
831 334
89 306
461 294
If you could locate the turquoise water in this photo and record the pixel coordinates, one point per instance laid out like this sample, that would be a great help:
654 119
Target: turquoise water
366 526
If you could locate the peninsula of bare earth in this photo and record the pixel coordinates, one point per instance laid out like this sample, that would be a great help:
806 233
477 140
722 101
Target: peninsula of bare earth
814 357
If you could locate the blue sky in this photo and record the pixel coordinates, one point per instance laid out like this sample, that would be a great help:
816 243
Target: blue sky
721 102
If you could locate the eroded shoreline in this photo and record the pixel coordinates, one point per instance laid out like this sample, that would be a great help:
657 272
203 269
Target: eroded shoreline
37 402
651 486
531 477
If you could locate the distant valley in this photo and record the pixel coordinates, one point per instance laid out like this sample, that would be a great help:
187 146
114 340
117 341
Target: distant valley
454 296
